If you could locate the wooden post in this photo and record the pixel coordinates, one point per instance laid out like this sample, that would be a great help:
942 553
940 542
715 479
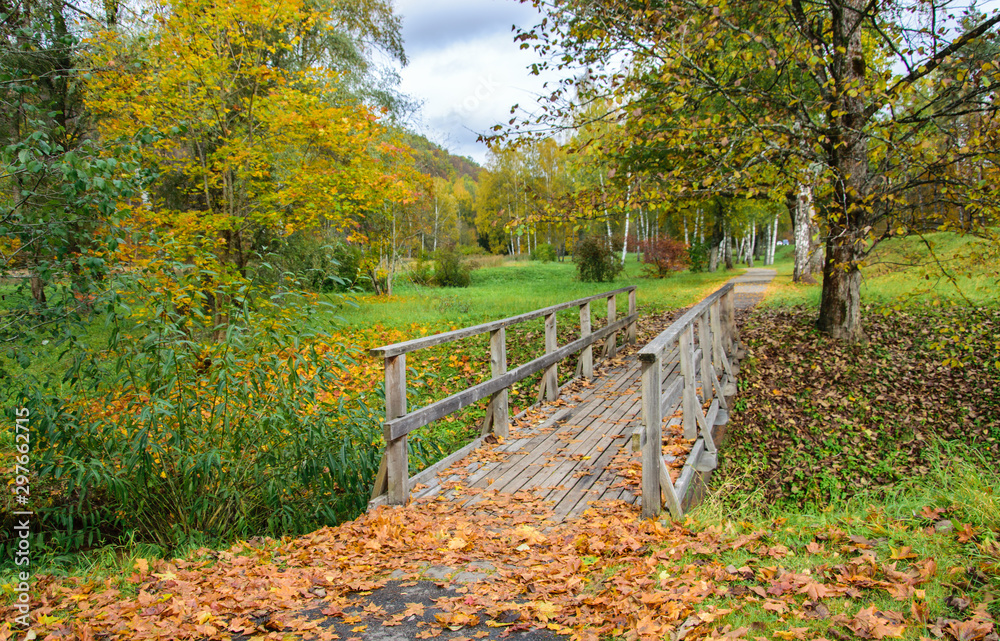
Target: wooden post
652 450
551 379
729 316
705 341
716 336
611 346
397 467
587 355
633 326
689 403
498 367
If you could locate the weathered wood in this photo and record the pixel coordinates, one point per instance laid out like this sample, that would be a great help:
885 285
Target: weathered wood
688 471
498 367
418 418
716 335
689 401
717 385
668 492
446 337
611 346
669 336
652 451
587 355
551 376
671 395
705 341
397 468
632 332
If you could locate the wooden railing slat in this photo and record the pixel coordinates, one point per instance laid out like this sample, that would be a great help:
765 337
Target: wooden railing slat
418 418
669 336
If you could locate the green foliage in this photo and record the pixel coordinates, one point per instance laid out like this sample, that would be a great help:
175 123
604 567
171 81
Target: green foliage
449 270
663 256
166 438
595 260
544 252
698 255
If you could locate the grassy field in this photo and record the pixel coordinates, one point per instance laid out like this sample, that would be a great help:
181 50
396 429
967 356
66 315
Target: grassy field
514 288
933 269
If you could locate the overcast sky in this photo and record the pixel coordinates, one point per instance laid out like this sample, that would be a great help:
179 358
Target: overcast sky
465 67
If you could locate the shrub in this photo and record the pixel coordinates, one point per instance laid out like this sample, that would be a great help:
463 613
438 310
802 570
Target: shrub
595 260
167 439
698 256
544 252
422 272
662 256
449 270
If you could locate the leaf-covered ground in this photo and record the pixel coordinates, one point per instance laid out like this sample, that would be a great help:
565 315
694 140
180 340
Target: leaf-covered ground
610 575
865 571
818 421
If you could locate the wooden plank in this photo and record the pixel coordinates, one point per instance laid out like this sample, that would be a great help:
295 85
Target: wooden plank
652 428
611 346
688 471
427 474
671 396
551 376
632 332
670 335
688 398
397 469
446 337
406 424
498 367
669 493
705 342
587 415
586 363
716 335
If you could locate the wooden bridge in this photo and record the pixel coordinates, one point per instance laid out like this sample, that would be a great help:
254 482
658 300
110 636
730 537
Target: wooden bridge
639 426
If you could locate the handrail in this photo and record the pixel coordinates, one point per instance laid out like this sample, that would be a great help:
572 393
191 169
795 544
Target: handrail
717 341
393 475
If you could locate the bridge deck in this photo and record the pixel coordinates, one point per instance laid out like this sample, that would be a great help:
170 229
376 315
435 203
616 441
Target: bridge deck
577 450
572 452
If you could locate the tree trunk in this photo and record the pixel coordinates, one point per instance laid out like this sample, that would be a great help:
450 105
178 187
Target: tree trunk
840 306
802 222
38 290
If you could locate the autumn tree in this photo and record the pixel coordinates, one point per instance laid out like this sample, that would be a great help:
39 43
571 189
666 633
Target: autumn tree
258 136
751 98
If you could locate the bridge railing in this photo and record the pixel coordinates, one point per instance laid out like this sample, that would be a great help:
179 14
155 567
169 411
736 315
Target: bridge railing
676 366
393 483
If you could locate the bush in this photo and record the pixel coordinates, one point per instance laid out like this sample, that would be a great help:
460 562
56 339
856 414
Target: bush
449 271
662 256
544 252
422 271
168 439
595 260
698 256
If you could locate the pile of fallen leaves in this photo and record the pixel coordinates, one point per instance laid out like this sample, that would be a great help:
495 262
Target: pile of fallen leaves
607 574
818 421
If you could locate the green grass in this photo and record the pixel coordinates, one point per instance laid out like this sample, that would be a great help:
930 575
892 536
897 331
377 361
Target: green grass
964 488
940 268
518 287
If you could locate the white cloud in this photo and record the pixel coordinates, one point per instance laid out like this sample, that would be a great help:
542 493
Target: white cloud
465 67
